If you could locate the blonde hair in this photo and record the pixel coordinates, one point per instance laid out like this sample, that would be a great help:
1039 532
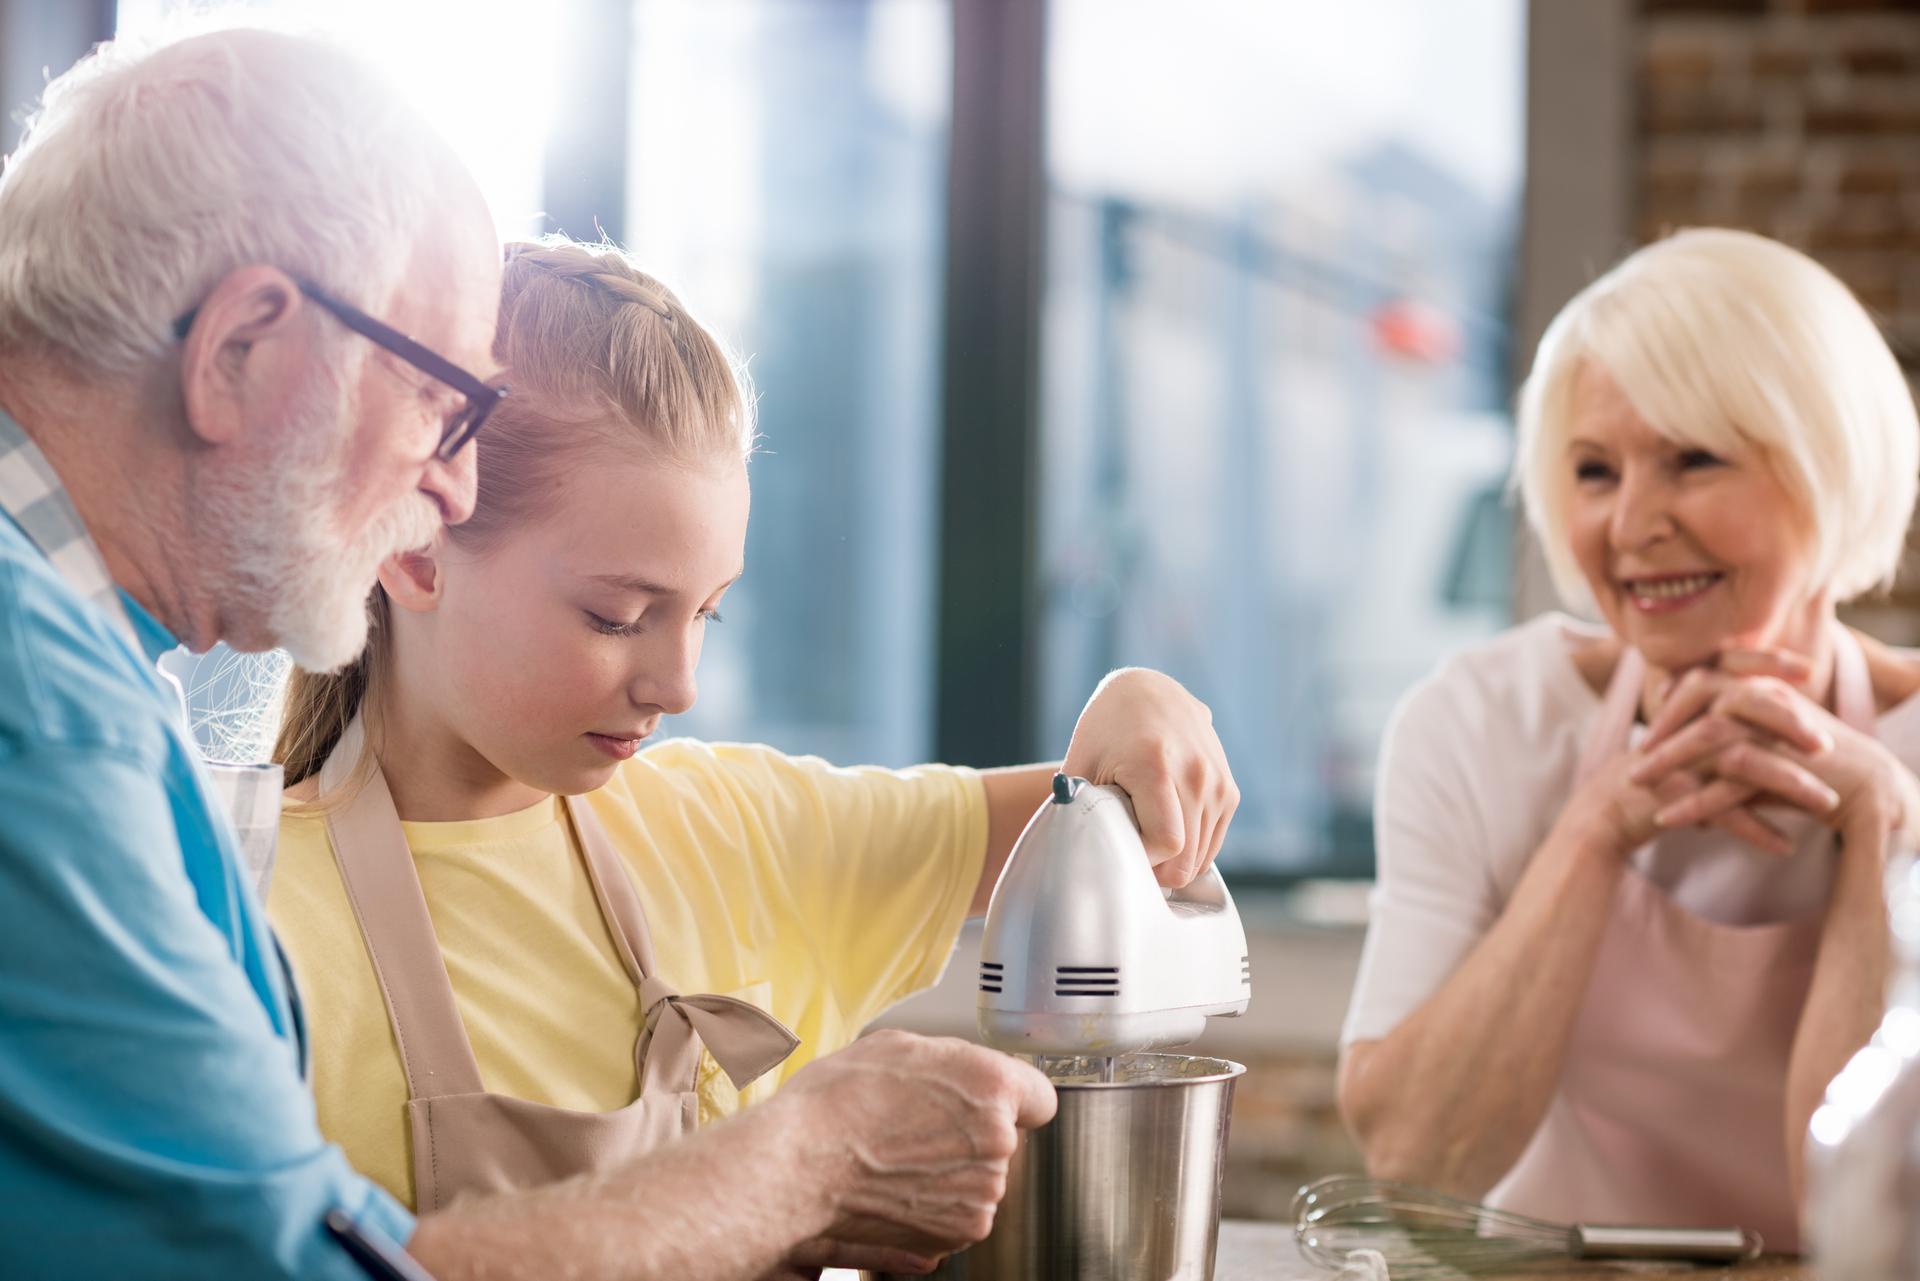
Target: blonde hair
1729 342
597 353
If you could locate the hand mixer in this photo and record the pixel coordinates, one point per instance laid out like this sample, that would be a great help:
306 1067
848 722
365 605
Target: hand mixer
1086 954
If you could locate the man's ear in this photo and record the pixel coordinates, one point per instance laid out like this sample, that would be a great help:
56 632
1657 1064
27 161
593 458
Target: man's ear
415 579
236 350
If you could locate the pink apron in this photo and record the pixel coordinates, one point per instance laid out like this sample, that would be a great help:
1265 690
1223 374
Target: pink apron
1672 1101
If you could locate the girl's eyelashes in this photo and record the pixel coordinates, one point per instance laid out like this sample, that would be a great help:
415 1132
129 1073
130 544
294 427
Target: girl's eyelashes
1693 459
607 627
1591 469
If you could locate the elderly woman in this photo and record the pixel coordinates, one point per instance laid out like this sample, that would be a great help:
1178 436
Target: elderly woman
1629 920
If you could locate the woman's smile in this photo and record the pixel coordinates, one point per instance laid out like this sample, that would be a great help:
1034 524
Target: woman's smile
1669 593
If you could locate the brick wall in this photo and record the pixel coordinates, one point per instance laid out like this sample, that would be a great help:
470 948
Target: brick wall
1796 118
1286 1131
1799 119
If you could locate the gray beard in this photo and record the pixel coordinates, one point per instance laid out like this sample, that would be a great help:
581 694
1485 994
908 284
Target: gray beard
287 567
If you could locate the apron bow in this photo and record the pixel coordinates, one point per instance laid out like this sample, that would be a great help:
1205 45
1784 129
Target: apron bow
745 1040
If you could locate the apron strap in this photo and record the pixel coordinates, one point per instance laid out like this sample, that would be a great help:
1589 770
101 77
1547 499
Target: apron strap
745 1040
383 889
1852 684
1617 712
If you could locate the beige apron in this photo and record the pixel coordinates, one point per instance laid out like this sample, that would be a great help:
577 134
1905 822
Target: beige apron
465 1139
1671 1108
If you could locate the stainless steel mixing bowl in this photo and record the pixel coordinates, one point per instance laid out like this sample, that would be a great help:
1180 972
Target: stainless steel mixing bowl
1122 1185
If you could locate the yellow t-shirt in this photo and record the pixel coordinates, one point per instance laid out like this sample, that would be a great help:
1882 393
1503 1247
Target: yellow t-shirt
821 894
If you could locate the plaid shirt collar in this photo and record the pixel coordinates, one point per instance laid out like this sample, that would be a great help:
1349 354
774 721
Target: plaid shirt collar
32 494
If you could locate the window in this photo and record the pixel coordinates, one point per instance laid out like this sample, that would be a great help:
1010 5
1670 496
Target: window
787 176
482 71
1274 347
1275 373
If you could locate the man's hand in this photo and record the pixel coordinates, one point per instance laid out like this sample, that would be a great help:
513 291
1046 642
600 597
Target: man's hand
890 1154
910 1138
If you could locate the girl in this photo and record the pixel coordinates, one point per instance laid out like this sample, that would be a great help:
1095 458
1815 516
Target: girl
501 908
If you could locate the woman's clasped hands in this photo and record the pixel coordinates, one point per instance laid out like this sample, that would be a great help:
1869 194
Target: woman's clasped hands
1729 741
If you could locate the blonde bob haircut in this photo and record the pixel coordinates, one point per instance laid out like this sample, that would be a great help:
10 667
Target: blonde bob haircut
1732 343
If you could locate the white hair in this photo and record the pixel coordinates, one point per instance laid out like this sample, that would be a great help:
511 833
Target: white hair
1729 342
149 173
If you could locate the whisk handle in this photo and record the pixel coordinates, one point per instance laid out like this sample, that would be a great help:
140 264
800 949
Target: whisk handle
1702 1245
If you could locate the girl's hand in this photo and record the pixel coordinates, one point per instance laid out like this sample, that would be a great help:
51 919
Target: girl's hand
1145 734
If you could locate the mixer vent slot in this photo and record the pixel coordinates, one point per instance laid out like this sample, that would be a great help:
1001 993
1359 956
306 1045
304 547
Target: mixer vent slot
1246 970
991 973
1086 980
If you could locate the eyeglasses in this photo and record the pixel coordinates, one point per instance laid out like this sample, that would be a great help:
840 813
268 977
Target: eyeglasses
482 397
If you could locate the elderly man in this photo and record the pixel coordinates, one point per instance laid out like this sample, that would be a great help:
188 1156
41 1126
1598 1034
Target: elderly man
213 430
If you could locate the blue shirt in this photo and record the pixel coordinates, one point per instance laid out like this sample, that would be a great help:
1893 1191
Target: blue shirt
153 1120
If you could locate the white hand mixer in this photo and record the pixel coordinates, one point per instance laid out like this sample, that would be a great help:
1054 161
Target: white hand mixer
1086 954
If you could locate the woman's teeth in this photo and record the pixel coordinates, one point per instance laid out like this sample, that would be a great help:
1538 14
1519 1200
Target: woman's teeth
1672 588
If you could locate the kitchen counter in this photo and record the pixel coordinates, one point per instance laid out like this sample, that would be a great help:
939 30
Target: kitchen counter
1252 1251
1265 1252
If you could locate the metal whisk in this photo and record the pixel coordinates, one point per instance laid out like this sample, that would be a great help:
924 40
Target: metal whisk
1422 1233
